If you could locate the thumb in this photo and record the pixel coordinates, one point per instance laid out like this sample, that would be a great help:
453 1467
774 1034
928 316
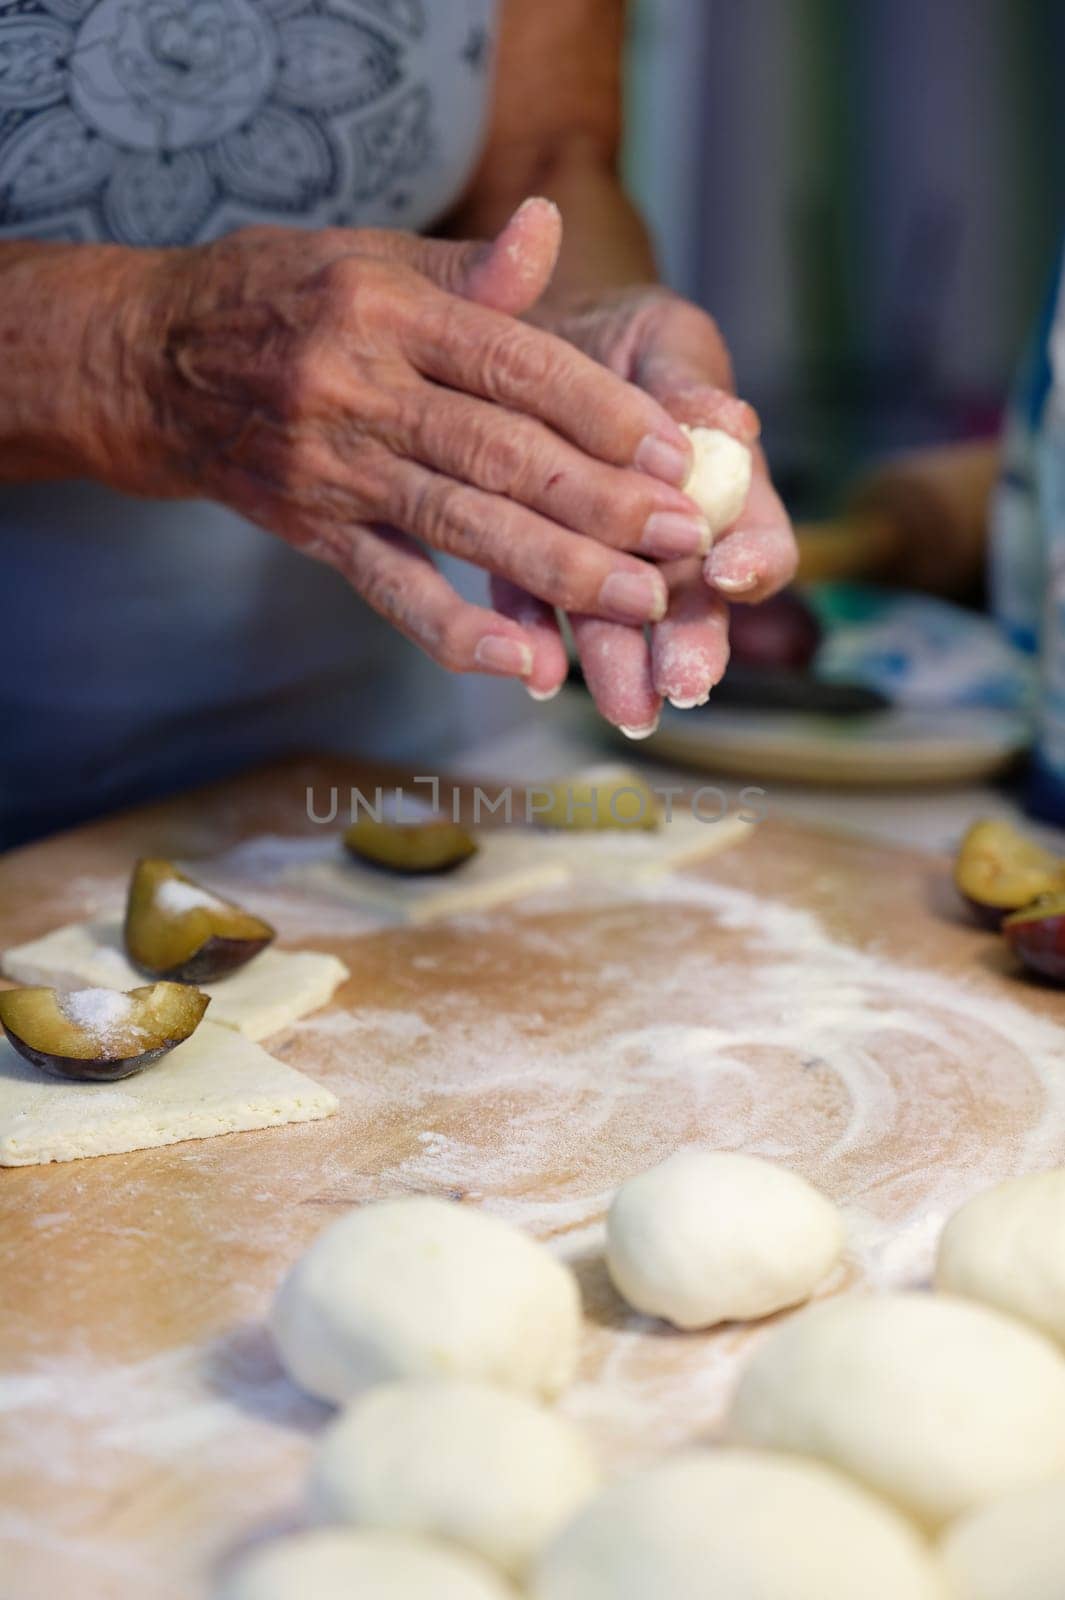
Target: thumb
509 273
512 272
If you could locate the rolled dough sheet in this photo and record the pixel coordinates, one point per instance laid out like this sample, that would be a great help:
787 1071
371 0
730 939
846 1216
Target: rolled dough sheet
271 992
512 862
216 1082
613 856
505 867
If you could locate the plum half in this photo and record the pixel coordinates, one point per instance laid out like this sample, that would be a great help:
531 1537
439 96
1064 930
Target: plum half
411 848
600 802
179 931
998 871
100 1035
1037 934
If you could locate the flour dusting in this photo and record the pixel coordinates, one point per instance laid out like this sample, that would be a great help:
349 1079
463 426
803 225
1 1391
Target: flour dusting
505 1063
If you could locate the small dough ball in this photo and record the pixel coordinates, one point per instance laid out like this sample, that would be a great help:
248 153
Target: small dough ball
708 1237
1013 1549
341 1565
935 1403
720 478
1007 1248
467 1462
737 1525
427 1288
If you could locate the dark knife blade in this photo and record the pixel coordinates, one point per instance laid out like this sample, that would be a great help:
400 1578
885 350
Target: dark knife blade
747 688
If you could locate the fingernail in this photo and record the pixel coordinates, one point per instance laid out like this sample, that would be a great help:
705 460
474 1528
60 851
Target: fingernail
536 200
634 596
505 656
639 733
670 534
542 694
690 703
724 570
661 458
734 585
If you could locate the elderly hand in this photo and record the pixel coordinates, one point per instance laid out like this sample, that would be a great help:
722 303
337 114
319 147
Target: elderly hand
366 394
673 351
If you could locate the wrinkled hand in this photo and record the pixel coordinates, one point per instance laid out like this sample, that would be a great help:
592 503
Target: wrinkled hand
673 351
366 394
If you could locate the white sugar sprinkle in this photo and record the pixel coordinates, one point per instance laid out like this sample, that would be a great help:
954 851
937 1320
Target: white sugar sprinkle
176 896
102 1013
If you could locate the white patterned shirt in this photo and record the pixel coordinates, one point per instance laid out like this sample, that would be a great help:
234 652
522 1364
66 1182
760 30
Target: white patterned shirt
144 644
152 122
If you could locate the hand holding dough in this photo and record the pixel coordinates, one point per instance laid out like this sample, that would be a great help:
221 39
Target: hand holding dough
711 1236
720 478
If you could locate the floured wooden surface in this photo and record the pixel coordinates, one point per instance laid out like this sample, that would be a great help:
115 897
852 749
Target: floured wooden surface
510 864
805 998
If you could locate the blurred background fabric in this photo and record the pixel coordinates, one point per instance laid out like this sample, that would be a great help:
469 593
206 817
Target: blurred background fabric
868 196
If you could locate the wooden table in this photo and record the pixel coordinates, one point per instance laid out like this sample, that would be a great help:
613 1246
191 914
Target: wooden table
816 999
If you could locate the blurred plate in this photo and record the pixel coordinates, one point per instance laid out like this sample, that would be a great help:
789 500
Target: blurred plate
887 747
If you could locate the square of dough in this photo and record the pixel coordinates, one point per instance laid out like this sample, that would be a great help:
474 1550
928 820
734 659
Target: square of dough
511 862
639 854
507 865
275 989
216 1082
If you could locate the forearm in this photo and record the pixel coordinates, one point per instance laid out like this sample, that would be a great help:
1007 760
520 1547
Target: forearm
64 311
605 243
556 131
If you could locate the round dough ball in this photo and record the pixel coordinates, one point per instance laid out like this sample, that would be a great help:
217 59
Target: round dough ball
1007 1248
720 477
464 1461
426 1288
737 1525
935 1403
341 1565
710 1237
1013 1549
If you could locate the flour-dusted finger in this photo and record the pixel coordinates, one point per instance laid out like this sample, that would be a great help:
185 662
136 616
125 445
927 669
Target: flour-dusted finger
689 647
696 403
540 625
522 458
759 555
481 352
509 272
399 580
512 542
616 663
